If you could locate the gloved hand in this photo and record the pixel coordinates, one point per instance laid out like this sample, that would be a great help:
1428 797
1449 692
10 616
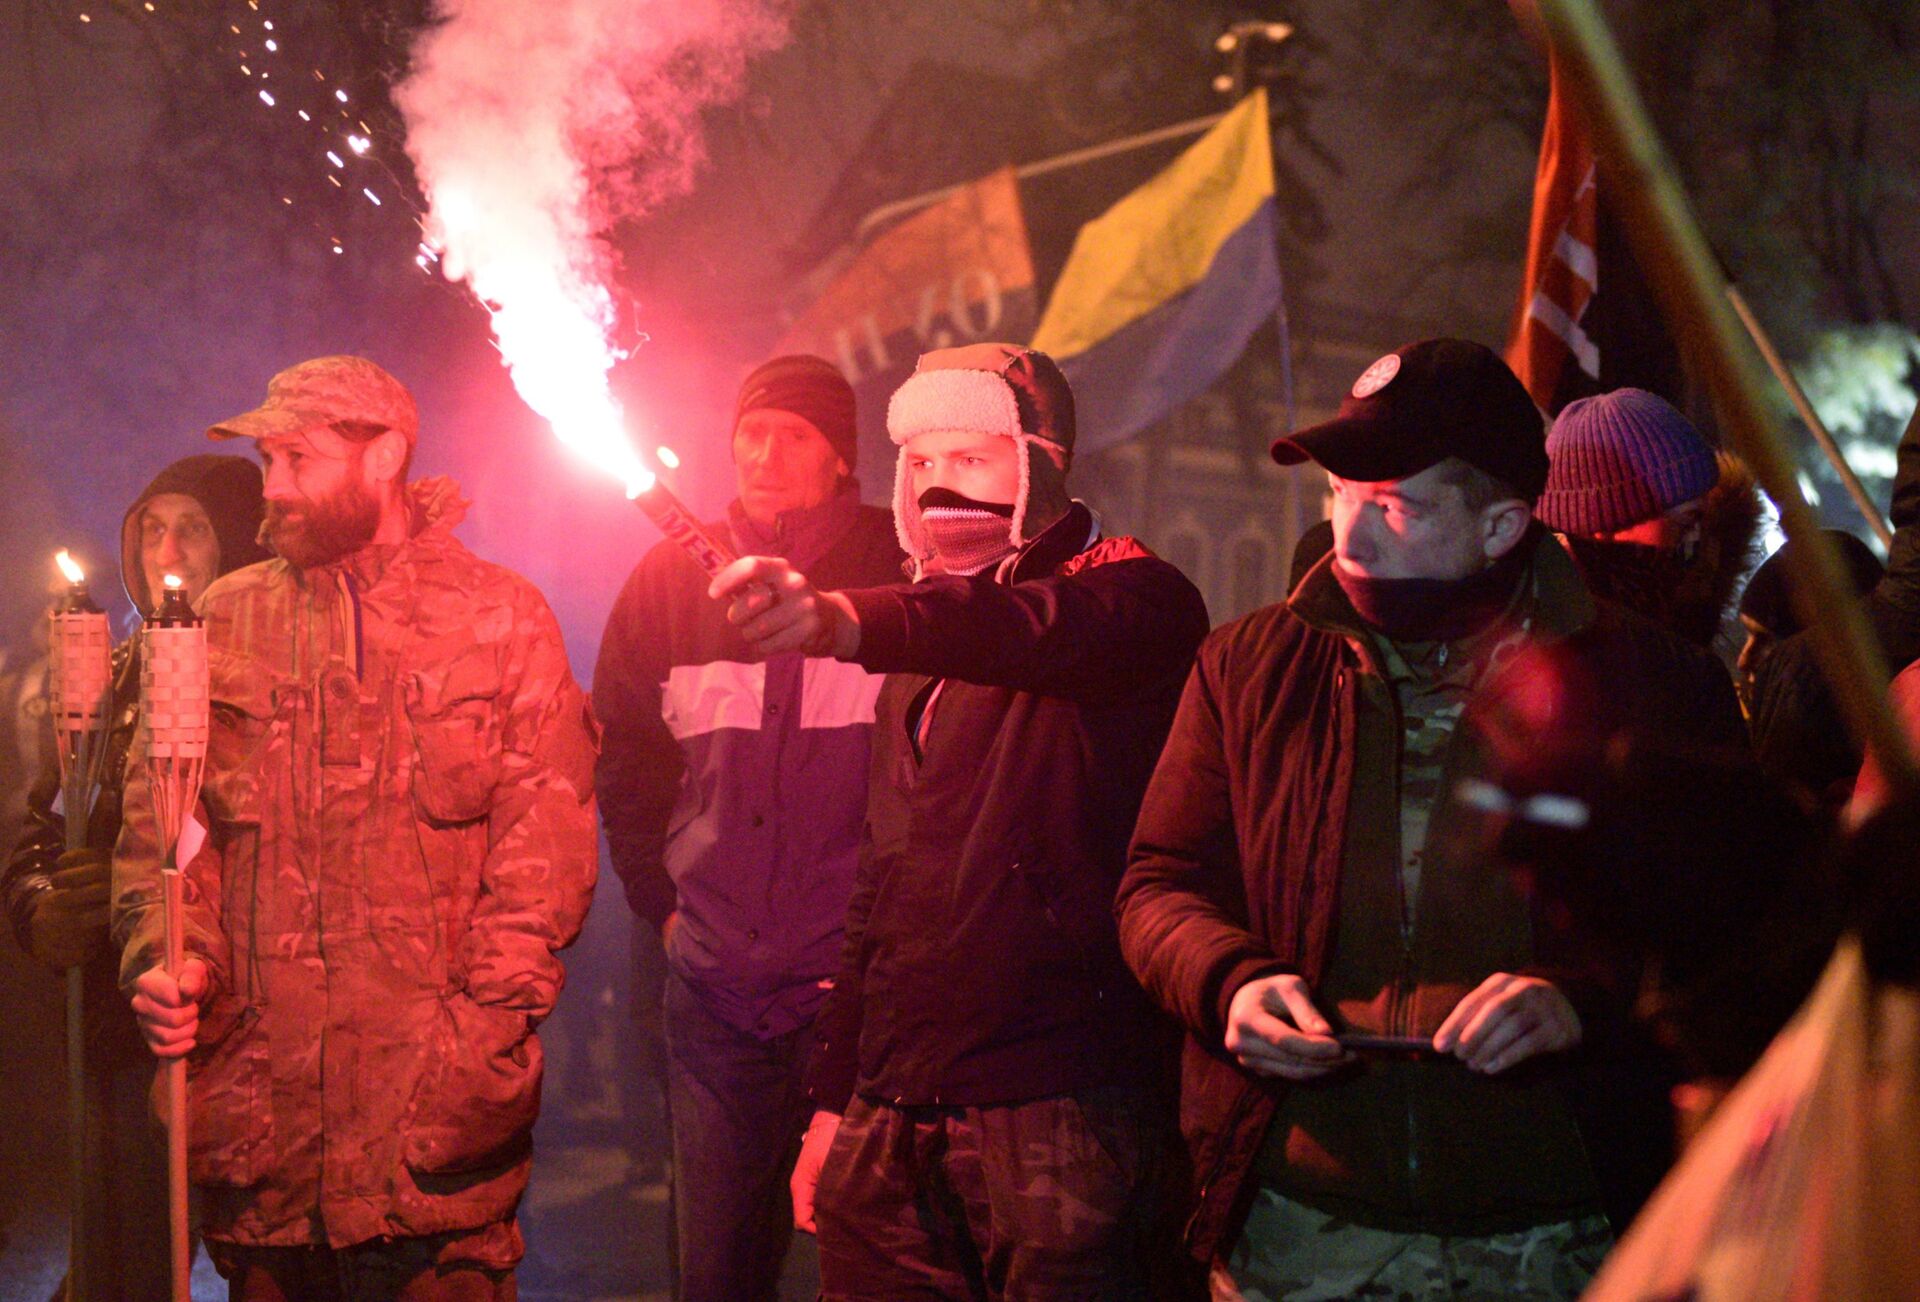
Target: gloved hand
68 925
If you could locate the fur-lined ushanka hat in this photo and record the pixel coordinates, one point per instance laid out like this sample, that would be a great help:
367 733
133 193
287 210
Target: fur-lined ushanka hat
990 389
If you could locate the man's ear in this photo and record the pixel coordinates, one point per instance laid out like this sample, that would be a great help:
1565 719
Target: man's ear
385 456
1502 526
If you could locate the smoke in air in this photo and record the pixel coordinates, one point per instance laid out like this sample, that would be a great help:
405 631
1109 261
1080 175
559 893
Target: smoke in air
534 128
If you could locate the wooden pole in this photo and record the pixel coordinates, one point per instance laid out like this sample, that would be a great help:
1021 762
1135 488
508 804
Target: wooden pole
80 693
1691 289
887 212
179 1243
73 803
1811 418
174 720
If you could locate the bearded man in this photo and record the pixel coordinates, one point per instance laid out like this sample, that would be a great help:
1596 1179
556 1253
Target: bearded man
399 838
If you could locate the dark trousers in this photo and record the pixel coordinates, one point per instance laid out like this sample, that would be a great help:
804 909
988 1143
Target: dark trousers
1052 1199
738 1109
123 1232
397 1270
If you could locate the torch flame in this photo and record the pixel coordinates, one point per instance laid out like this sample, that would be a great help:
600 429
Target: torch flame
173 582
69 566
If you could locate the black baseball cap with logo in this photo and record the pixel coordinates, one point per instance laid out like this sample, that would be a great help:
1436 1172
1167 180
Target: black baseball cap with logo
1421 404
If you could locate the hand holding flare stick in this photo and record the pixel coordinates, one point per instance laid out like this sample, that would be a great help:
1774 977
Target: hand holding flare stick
80 690
174 719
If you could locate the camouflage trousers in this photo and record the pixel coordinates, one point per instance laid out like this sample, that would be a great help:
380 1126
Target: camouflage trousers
1293 1252
457 1267
1045 1200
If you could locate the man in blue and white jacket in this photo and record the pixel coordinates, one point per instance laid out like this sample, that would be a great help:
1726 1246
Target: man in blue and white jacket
733 791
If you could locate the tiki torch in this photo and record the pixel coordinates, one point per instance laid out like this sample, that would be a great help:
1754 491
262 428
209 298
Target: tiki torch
80 690
173 718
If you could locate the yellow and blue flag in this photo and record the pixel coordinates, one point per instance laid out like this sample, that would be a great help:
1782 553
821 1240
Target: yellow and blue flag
1163 290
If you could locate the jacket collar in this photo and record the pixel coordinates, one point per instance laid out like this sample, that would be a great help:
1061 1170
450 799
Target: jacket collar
1057 544
801 536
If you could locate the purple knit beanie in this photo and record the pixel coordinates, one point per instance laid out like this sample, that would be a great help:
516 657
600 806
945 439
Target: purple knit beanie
1619 458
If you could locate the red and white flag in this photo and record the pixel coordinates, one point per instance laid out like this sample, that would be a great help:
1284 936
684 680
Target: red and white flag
1551 350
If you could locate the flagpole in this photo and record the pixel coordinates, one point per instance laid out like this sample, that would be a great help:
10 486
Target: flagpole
1059 162
1286 363
1815 426
1686 277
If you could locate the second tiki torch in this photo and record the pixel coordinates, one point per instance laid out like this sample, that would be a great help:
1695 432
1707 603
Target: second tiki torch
174 718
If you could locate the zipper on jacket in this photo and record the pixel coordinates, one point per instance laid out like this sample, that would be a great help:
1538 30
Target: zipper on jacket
354 629
1400 1002
1239 1110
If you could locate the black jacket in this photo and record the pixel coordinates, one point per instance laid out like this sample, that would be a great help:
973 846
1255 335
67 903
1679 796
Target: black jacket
982 965
1799 734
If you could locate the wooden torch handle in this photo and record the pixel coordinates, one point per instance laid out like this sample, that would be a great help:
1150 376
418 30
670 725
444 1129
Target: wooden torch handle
180 1244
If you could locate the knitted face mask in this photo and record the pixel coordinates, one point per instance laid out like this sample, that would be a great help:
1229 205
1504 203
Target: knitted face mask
967 536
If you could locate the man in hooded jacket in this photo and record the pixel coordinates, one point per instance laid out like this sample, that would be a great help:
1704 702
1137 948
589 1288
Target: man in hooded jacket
198 519
399 838
988 1122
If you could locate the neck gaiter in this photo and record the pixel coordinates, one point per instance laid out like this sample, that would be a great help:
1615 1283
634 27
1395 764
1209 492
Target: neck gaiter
1436 610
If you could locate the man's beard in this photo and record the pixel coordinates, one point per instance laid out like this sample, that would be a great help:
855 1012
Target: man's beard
324 530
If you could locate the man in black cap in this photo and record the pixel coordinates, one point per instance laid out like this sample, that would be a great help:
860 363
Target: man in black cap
733 792
1391 1039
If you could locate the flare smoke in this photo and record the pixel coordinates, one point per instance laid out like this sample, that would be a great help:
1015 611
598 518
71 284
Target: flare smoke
533 128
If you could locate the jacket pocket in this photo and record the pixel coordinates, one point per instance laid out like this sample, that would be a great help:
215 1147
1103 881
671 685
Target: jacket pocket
230 1108
457 742
480 1092
1083 923
242 700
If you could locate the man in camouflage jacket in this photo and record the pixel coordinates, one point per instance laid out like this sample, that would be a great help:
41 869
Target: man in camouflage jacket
399 839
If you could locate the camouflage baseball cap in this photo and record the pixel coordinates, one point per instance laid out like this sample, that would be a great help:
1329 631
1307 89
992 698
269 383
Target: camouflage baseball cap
349 395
